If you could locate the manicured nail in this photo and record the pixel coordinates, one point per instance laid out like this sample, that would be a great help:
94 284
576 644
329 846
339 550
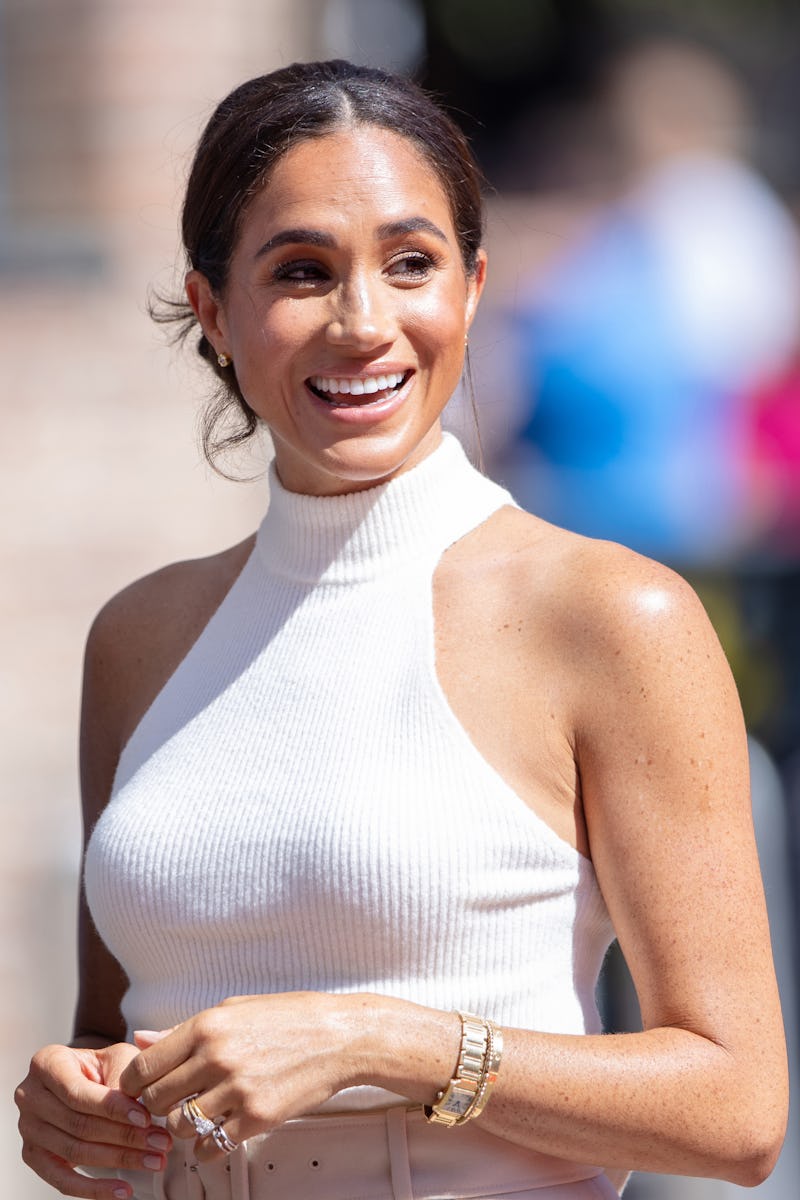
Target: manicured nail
158 1141
137 1117
152 1162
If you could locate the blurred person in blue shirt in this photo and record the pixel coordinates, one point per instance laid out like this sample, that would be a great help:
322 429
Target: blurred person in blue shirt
644 345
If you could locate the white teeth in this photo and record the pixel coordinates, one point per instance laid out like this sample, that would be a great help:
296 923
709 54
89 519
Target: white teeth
357 387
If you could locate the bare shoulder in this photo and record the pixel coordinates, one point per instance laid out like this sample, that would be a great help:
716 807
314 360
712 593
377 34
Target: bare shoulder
154 612
650 694
136 642
602 597
608 626
148 614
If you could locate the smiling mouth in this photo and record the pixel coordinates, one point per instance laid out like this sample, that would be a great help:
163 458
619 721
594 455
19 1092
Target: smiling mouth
349 392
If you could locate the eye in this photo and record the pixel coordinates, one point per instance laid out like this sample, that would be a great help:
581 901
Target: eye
412 266
302 271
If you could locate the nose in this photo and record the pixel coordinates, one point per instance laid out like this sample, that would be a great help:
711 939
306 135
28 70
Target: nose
363 316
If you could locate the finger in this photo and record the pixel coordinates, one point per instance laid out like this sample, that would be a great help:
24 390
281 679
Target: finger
241 1119
144 1038
205 1148
210 1104
114 1061
56 1074
166 1096
157 1060
64 1179
91 1154
82 1127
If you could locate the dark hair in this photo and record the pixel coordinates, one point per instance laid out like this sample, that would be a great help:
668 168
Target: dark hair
250 131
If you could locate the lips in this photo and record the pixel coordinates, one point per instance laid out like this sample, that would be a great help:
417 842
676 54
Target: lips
357 391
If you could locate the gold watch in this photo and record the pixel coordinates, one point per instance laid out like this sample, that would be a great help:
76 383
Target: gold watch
453 1105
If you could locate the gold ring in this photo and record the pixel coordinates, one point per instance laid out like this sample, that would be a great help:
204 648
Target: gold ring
194 1114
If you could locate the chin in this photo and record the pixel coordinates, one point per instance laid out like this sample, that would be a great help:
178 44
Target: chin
354 464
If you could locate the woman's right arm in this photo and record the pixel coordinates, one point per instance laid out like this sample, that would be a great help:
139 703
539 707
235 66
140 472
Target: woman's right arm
72 1113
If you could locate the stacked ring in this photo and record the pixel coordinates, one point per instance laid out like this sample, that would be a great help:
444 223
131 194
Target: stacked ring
223 1141
194 1114
204 1126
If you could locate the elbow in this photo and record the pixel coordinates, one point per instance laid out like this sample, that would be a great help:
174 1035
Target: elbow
757 1148
752 1114
752 1169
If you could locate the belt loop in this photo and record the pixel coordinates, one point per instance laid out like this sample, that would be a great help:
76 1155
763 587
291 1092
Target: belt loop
191 1175
159 1180
398 1153
240 1178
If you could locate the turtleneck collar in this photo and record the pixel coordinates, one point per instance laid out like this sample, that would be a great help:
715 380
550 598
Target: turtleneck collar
360 535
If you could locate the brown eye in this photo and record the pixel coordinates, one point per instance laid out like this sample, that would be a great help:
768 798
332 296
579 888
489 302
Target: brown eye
412 267
300 271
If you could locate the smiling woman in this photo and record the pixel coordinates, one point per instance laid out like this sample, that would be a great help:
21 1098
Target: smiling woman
368 795
345 294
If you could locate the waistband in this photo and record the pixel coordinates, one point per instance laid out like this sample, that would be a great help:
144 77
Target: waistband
394 1154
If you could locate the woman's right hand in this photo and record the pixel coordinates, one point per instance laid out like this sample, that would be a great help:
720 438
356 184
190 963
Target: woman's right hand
72 1114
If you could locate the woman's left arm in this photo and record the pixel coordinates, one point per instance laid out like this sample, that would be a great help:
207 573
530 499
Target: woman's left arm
661 751
662 755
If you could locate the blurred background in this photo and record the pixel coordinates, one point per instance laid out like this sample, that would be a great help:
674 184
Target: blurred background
636 364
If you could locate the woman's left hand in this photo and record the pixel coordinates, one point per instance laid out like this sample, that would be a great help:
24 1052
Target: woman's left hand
253 1062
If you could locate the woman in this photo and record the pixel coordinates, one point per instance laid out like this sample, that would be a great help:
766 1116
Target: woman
408 752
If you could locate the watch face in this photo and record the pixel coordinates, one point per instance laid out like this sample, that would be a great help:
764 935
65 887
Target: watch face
456 1103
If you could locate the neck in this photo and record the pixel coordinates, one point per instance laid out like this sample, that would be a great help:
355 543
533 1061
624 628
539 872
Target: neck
375 465
361 534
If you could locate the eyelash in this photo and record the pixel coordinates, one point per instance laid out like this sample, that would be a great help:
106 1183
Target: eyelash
421 262
424 261
287 271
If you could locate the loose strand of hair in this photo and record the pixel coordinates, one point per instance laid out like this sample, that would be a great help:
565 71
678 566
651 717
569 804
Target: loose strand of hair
469 379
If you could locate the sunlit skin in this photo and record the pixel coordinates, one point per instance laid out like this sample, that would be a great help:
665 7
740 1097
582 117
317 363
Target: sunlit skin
318 288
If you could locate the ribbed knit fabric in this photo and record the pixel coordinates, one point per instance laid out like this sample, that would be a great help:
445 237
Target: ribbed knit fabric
300 808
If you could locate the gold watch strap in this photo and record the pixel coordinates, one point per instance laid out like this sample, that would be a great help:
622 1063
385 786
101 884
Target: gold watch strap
494 1052
455 1103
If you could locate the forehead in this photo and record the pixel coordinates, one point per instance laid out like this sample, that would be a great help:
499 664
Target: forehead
349 177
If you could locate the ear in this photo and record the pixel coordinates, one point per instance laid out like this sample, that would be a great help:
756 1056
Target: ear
208 310
475 284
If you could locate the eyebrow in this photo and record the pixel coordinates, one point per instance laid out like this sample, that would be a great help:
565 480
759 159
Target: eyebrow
410 225
295 237
315 237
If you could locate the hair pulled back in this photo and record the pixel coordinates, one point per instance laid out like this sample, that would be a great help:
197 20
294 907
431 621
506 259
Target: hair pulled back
250 131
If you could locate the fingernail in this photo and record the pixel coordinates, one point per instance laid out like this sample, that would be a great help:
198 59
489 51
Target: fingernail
137 1117
121 1193
158 1141
153 1162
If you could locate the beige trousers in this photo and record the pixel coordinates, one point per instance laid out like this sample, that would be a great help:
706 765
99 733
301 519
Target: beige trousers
393 1154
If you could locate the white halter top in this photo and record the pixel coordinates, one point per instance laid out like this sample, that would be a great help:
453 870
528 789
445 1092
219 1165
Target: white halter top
300 808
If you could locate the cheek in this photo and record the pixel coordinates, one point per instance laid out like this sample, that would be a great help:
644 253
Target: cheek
273 336
438 323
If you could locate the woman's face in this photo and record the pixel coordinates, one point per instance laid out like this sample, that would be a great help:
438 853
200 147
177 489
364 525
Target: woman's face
346 309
